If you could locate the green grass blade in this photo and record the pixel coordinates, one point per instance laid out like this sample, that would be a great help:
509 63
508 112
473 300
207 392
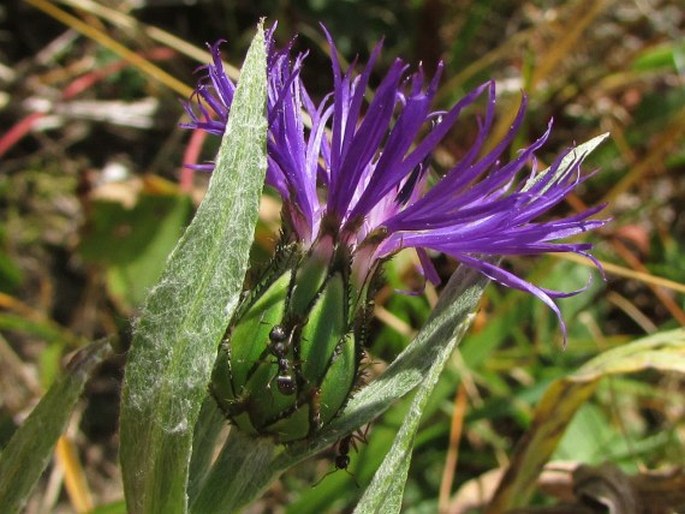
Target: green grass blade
30 448
186 314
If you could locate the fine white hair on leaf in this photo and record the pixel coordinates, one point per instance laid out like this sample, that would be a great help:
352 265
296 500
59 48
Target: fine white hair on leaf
231 305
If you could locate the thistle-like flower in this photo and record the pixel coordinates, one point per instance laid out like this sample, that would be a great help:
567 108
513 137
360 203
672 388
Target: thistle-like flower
353 175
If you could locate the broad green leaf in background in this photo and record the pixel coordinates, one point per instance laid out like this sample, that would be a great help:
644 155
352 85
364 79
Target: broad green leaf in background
663 352
30 448
132 242
186 314
665 55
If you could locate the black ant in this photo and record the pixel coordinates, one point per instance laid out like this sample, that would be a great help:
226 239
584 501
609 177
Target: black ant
342 458
279 348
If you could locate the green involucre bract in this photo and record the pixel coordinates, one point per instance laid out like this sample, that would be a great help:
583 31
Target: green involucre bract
290 358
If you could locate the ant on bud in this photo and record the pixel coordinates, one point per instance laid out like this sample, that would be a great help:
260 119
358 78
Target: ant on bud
342 458
279 345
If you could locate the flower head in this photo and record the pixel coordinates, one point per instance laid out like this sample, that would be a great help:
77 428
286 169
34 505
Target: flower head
353 170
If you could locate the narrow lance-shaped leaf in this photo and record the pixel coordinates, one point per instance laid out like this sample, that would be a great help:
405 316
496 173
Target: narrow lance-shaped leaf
575 156
210 423
384 494
231 482
187 312
30 448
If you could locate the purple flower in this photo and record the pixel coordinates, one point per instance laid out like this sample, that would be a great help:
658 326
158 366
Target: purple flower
353 171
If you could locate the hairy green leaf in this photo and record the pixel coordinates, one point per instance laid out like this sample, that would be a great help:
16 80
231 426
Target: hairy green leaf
184 317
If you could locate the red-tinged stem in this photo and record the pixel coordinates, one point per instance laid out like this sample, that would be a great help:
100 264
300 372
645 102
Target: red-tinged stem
190 157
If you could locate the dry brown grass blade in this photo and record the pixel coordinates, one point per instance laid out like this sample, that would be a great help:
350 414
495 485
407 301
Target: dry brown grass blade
391 320
663 352
110 43
576 22
639 269
74 477
663 143
38 318
11 303
453 451
666 300
502 53
620 271
144 31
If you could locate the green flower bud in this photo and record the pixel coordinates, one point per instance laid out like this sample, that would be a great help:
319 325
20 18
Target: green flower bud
290 360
